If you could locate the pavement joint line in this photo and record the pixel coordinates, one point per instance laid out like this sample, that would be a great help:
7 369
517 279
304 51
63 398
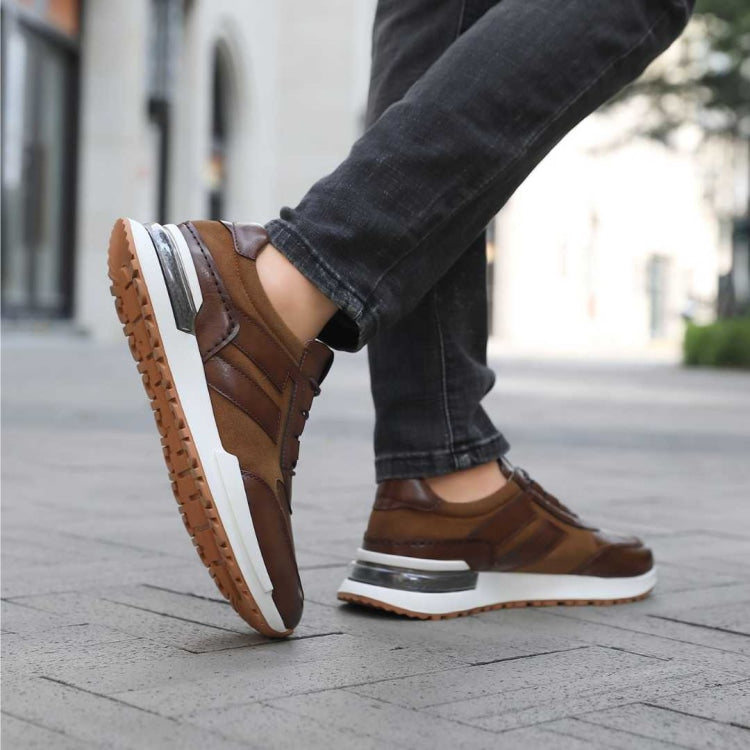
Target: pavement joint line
635 653
528 656
695 716
646 633
177 617
418 711
112 543
261 644
700 625
214 599
578 717
347 730
36 724
338 687
591 723
111 698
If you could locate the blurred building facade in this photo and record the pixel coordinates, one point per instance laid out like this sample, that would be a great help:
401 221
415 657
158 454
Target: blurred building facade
606 248
251 101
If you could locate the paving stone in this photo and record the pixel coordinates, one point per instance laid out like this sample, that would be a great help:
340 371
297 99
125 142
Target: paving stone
114 628
24 621
650 636
103 721
670 726
732 617
265 726
280 679
33 580
534 705
138 620
392 726
43 650
244 665
725 703
453 687
16 733
567 730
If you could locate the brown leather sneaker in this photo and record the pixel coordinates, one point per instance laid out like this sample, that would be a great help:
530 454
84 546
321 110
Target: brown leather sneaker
231 389
427 558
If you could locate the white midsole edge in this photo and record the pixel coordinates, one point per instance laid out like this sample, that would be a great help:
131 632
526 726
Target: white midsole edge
415 563
496 588
221 469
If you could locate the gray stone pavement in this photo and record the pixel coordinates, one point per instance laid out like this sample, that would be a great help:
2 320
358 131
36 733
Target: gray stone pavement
114 635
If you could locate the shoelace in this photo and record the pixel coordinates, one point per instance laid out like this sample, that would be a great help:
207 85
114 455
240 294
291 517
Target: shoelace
305 412
522 478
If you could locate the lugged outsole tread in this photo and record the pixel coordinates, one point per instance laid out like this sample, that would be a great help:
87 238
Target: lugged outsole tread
189 486
366 601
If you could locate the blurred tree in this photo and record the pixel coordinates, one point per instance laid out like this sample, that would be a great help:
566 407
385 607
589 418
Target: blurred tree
705 82
712 77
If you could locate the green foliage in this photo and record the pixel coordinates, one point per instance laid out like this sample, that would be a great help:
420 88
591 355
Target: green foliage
711 82
725 343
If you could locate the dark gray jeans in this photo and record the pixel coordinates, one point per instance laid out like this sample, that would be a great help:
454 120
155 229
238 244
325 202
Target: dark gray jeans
466 97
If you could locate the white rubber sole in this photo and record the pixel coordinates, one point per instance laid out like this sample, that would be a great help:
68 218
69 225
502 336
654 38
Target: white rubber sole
221 469
489 591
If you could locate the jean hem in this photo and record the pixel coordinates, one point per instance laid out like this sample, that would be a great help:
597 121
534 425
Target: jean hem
351 327
419 464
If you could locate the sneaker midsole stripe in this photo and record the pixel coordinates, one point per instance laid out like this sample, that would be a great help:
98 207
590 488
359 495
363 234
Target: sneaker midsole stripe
411 579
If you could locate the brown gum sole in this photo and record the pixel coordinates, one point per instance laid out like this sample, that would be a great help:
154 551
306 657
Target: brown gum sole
190 489
365 601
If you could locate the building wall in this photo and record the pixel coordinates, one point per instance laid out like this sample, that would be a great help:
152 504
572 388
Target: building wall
298 81
573 246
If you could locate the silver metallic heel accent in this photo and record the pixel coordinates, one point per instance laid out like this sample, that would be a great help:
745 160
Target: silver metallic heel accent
411 579
175 278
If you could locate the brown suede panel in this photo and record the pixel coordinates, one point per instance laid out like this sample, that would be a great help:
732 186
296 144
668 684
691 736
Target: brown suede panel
520 528
244 393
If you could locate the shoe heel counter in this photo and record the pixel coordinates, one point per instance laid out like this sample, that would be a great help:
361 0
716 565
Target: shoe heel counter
398 513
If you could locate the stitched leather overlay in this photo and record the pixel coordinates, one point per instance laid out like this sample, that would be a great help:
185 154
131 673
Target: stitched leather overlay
248 239
244 393
509 521
258 345
215 324
541 542
405 493
273 531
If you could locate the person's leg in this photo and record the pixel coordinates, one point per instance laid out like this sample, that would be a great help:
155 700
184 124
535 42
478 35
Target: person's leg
428 371
222 349
380 231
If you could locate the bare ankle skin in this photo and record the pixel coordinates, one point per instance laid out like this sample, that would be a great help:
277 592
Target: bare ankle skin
468 484
299 303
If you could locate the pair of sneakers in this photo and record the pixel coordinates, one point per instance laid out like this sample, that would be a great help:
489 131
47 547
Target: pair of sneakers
231 389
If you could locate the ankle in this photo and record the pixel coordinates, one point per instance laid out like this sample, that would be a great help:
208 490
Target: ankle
296 300
470 484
